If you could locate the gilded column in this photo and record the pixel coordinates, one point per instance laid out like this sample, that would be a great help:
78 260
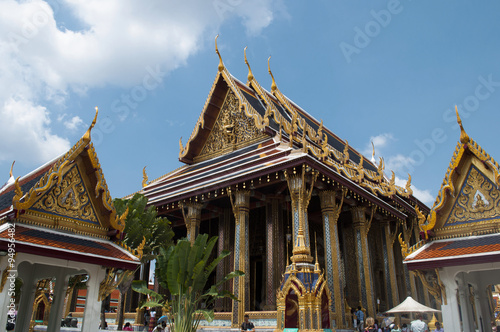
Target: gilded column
222 268
241 209
192 219
300 198
389 264
330 211
361 228
272 219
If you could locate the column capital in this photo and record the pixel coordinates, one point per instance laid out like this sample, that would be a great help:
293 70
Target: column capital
328 201
359 218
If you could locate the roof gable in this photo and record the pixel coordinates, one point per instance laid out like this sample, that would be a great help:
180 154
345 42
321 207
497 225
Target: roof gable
69 193
469 197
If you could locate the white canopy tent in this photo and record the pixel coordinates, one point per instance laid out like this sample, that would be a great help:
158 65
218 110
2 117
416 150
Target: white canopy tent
410 305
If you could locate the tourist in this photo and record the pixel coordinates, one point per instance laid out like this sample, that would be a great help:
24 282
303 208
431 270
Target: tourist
419 325
161 328
392 328
370 325
247 325
439 328
360 315
127 327
404 328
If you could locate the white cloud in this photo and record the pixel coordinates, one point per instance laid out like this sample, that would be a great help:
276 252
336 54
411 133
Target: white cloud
424 196
400 164
25 127
73 123
40 64
379 141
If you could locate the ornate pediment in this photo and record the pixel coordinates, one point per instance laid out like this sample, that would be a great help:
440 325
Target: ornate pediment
69 200
477 201
232 130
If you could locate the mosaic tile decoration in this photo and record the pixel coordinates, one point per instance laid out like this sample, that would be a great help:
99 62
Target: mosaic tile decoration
329 260
387 275
361 269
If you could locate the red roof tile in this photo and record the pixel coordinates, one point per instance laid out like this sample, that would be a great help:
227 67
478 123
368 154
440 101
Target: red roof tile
67 246
470 250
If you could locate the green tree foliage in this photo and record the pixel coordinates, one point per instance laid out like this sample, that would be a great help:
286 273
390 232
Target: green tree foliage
142 223
185 269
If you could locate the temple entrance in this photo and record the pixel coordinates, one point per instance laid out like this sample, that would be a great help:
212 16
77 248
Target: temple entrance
292 311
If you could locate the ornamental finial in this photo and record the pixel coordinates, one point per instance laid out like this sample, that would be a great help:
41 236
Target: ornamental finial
373 153
250 75
273 85
11 168
144 177
464 138
86 136
221 65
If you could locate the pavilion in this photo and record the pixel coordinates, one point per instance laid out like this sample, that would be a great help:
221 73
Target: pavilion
458 258
56 223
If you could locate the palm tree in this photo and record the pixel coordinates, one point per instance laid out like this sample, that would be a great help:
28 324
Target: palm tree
141 224
185 269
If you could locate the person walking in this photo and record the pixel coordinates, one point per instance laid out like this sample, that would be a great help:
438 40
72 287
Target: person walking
360 315
419 325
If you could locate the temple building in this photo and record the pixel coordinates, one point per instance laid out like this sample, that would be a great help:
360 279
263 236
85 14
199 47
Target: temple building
59 229
458 256
311 221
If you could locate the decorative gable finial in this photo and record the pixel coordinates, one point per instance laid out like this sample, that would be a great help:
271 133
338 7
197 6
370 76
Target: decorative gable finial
273 85
250 75
373 153
144 177
11 168
221 64
86 136
464 138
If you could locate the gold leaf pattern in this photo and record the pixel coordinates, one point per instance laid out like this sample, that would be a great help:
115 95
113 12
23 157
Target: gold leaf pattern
479 200
70 199
231 130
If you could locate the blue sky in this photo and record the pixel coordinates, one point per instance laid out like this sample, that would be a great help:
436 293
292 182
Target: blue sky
383 71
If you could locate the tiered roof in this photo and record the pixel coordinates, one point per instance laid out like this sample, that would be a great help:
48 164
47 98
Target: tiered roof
274 133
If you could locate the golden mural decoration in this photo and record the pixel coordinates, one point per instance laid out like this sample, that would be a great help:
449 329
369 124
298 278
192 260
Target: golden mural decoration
432 282
69 199
232 129
479 200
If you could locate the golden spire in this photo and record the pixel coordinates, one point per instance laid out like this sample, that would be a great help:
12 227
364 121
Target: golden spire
273 85
86 136
144 177
373 153
250 75
11 168
221 65
464 138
